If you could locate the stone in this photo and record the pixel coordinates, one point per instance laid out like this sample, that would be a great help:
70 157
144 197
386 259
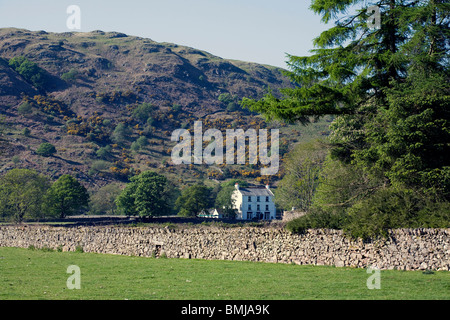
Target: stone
407 249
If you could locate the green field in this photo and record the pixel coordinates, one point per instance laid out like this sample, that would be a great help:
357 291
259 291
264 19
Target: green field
36 274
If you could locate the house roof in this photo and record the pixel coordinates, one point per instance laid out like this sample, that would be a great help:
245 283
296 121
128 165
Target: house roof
255 192
219 210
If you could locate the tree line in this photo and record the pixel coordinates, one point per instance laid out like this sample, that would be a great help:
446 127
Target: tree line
28 195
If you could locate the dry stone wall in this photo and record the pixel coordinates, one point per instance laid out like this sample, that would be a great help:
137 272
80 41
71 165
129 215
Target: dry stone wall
405 249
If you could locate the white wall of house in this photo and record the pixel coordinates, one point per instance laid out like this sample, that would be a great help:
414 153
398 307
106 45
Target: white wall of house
251 206
237 203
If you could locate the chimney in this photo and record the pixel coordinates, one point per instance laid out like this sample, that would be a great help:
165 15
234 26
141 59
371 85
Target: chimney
236 186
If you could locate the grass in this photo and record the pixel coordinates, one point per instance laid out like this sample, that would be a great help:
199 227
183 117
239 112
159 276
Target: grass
27 274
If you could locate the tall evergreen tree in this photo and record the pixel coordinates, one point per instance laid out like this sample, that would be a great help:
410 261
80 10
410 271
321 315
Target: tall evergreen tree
388 87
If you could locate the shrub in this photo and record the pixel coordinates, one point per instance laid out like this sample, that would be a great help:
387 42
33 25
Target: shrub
434 215
30 71
104 152
232 107
176 107
139 143
226 98
15 160
46 150
298 225
100 165
25 108
372 217
143 112
120 133
70 76
392 208
317 219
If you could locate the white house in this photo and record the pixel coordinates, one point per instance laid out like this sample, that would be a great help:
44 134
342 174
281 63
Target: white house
212 213
254 203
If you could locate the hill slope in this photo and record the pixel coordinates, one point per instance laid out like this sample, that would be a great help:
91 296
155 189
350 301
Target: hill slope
90 84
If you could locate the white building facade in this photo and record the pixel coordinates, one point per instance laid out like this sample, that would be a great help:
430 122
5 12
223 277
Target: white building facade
254 203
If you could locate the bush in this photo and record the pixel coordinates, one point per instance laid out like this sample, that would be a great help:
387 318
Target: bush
372 217
298 225
140 143
121 133
16 160
232 107
100 165
226 98
30 71
392 209
70 76
434 215
176 107
143 112
25 108
317 219
104 152
46 150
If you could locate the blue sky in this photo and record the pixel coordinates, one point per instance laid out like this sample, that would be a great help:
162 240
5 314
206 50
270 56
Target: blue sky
260 31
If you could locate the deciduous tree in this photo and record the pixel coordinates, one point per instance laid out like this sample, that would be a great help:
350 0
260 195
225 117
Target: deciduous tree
21 194
66 197
148 195
193 200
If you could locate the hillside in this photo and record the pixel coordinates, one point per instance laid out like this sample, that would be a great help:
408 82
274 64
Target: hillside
93 95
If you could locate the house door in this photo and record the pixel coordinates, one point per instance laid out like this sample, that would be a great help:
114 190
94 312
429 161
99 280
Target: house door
249 215
266 215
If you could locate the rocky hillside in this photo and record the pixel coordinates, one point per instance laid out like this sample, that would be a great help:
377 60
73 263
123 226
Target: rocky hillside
109 102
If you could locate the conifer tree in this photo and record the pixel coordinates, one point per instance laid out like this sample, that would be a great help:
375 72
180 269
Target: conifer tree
387 86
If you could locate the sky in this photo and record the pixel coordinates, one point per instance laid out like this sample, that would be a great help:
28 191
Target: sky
261 31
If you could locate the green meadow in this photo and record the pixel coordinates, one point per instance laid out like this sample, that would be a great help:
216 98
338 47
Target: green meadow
27 274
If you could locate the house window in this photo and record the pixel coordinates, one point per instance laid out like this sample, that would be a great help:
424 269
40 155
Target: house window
249 199
257 208
267 207
257 199
249 207
267 199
